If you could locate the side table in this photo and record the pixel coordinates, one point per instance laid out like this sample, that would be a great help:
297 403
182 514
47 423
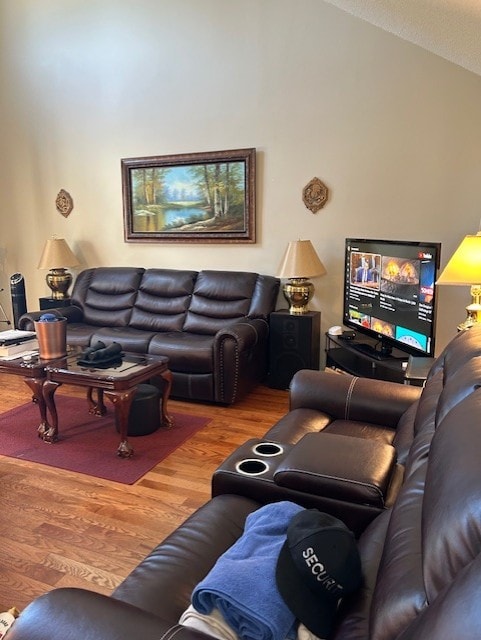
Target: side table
53 303
417 370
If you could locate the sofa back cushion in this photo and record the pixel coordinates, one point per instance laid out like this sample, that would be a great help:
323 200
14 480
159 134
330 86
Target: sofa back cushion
163 299
461 370
107 294
447 557
264 298
452 498
219 298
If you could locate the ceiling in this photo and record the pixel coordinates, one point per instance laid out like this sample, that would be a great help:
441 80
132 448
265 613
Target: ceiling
448 28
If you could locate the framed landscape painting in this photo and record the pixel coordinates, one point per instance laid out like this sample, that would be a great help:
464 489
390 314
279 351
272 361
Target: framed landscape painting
191 197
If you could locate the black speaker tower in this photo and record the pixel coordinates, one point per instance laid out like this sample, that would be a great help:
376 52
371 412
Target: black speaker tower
19 301
294 344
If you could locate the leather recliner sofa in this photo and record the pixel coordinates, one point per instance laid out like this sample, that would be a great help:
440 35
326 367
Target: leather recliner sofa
212 325
421 556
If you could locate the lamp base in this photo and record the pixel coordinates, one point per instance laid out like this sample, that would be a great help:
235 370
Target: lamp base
59 281
298 292
474 317
473 310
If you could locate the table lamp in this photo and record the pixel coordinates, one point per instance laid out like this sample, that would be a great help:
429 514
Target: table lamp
464 267
56 256
300 262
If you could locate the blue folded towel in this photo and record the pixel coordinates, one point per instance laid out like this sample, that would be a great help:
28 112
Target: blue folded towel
242 583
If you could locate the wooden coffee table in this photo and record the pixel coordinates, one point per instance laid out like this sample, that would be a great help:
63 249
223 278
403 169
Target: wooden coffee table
117 383
33 373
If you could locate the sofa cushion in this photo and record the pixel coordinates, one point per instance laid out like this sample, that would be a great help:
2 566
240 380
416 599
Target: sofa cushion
452 498
355 611
83 335
400 592
296 423
365 430
164 581
187 352
459 384
133 340
80 334
455 613
110 295
339 467
163 299
264 297
219 298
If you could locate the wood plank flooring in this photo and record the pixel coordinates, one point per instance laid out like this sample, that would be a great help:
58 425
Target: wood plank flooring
60 528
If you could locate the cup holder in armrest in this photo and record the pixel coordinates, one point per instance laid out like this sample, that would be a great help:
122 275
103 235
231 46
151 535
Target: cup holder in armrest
268 449
252 467
255 460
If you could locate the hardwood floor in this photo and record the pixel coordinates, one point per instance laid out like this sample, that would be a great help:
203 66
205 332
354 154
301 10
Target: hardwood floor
61 529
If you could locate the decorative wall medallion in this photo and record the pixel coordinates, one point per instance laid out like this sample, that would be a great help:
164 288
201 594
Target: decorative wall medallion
64 203
315 195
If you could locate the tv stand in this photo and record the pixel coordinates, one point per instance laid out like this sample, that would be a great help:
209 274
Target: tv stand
382 352
362 358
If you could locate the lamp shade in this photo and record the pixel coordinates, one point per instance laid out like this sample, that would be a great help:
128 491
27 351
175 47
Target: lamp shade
300 261
57 254
464 267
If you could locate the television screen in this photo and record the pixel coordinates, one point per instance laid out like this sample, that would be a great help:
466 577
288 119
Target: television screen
389 293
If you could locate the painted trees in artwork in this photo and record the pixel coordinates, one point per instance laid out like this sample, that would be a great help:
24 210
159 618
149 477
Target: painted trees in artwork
176 196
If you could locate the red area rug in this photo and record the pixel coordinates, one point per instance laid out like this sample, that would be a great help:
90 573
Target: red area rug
87 443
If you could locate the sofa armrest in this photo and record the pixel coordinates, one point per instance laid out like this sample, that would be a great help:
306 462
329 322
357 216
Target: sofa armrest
246 334
240 358
346 397
339 467
72 313
72 614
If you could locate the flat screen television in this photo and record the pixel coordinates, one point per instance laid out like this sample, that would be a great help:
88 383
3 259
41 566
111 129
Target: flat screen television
389 294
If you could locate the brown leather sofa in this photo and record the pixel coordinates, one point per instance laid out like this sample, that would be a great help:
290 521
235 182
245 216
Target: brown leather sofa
212 325
421 556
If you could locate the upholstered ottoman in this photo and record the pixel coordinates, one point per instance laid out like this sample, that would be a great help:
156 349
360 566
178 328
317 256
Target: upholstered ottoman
144 415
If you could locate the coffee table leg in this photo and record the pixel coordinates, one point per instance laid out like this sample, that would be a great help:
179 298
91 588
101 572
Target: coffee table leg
50 432
165 387
122 401
35 385
96 407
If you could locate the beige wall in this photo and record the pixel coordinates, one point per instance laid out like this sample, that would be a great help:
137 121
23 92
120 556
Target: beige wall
393 130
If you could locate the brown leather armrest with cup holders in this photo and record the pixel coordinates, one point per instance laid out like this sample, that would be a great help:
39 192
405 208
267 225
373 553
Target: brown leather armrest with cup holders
342 468
351 478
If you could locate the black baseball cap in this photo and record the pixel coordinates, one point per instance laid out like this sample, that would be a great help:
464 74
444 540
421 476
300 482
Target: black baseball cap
318 565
